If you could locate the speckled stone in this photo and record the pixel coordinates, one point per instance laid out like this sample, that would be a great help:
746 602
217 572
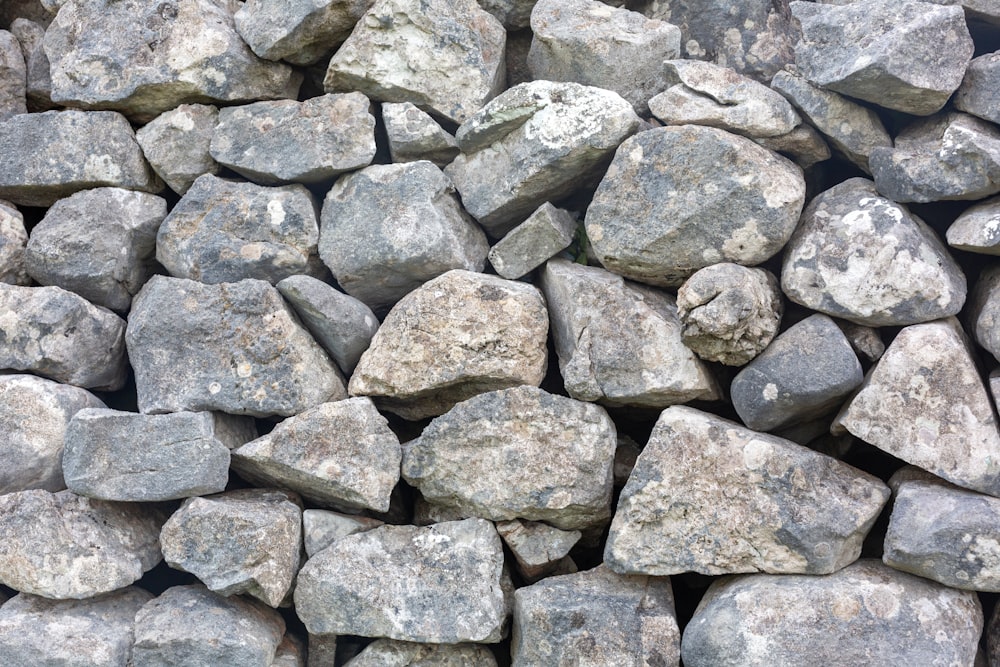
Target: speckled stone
177 142
392 653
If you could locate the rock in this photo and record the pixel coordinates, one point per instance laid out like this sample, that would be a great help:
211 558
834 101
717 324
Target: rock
13 76
39 80
900 54
977 94
546 232
713 497
864 258
591 43
518 453
323 650
513 14
61 545
445 583
298 31
13 239
643 364
807 371
866 341
37 10
70 633
244 541
233 430
29 34
177 142
287 141
925 403
596 617
538 548
665 210
536 142
235 347
803 145
321 528
729 313
60 335
456 336
878 615
104 258
146 57
977 229
391 653
413 135
388 229
984 310
51 155
291 652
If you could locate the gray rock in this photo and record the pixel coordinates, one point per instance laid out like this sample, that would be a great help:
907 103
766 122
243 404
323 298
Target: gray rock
513 14
29 34
61 545
546 232
987 11
322 650
13 76
244 541
538 548
51 155
878 616
518 453
984 310
388 229
144 57
392 653
729 313
900 54
37 10
291 652
803 145
104 258
977 228
298 31
866 341
643 364
39 80
665 210
235 347
864 258
113 455
708 495
13 239
456 336
176 144
413 135
445 583
426 513
536 142
233 430
596 617
321 528
977 94
60 335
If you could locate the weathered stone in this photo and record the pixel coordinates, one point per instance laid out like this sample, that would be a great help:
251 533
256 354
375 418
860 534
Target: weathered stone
977 228
513 14
866 341
900 54
536 143
388 229
392 653
244 541
37 10
291 652
13 76
298 31
445 583
29 34
51 155
878 616
708 495
984 310
146 57
538 548
61 545
625 456
39 81
233 430
321 528
103 257
456 336
413 135
426 513
596 618
546 232
665 209
864 258
803 145
978 93
643 364
729 313
13 239
176 144
235 347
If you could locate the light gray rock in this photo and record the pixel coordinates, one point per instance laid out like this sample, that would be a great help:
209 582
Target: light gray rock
413 135
900 54
235 347
977 228
864 258
518 453
13 76
878 616
291 652
322 650
708 495
176 144
298 31
536 142
103 257
445 583
29 34
61 545
977 94
321 528
392 653
984 310
388 229
546 232
538 548
456 336
513 14
642 364
13 239
803 145
665 209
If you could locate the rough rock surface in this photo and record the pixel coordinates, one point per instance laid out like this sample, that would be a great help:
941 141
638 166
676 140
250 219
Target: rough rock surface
977 229
176 144
321 528
413 135
803 145
547 231
513 14
538 547
298 31
13 76
984 310
978 93
392 653
13 239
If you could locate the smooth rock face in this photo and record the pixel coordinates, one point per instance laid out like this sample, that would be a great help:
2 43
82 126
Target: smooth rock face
518 453
879 617
984 310
391 653
445 583
596 618
456 336
538 548
321 528
61 545
643 364
445 56
177 142
413 135
978 93
770 505
547 231
235 347
864 258
298 31
13 76
977 229
13 239
665 209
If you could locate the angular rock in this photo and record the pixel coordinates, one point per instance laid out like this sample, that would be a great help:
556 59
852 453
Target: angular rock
321 528
456 336
537 547
13 239
13 76
866 341
536 143
291 652
298 31
863 257
984 310
235 347
513 14
392 653
39 80
665 209
978 93
445 583
413 135
804 146
977 228
643 364
546 232
710 496
388 229
37 10
176 144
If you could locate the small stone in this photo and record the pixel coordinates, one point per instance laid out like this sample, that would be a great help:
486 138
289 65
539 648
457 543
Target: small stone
323 650
804 146
625 457
39 80
984 310
413 135
13 76
29 34
977 228
537 547
321 528
37 10
13 239
426 513
233 430
291 652
546 232
866 341
392 653
298 31
177 142
978 93
513 14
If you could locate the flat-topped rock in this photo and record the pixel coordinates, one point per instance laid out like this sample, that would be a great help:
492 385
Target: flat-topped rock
176 143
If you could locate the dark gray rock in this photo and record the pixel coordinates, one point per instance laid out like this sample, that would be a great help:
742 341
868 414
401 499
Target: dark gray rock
13 76
513 14
977 228
978 93
321 528
803 145
37 10
413 135
13 239
297 31
176 144
546 232
233 430
39 81
866 341
984 310
538 548
392 653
